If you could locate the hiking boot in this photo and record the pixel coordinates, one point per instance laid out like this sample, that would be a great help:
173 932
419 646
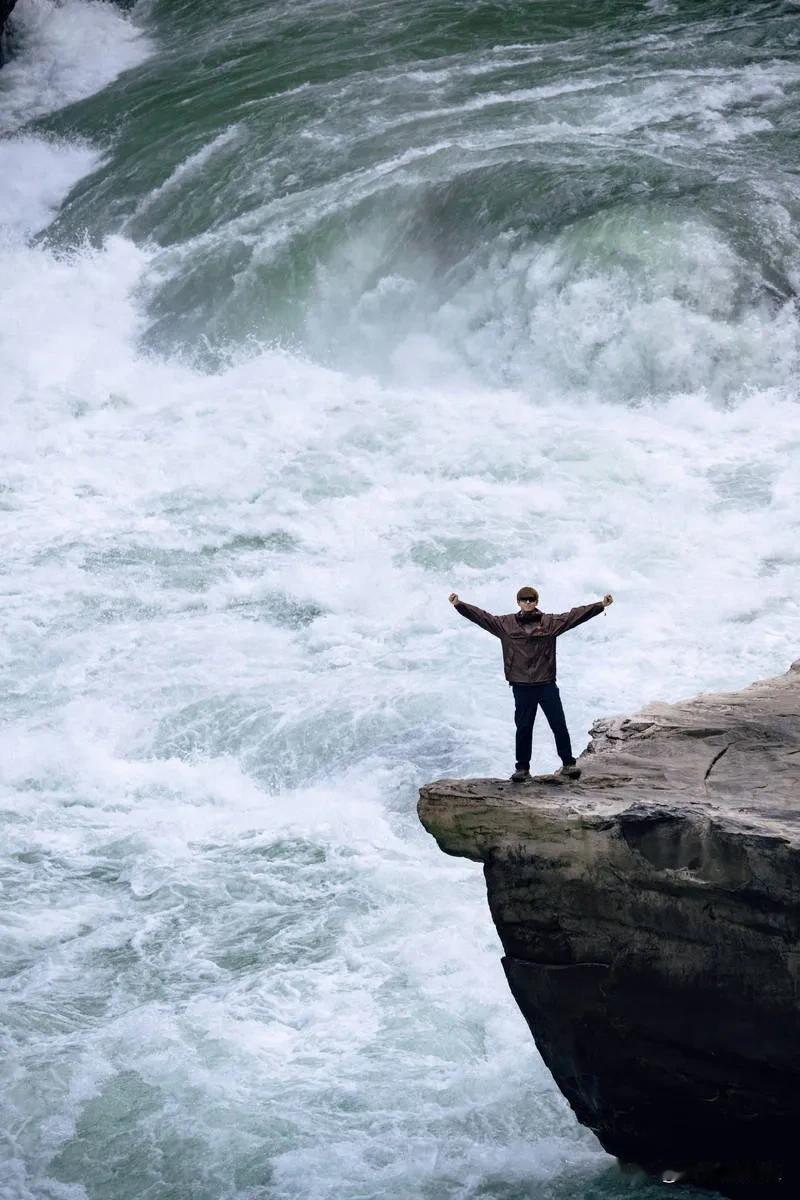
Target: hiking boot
521 776
569 771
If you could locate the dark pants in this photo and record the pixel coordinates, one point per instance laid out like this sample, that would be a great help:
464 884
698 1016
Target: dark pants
527 698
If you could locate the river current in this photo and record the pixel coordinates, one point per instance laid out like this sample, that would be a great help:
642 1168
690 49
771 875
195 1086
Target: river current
311 313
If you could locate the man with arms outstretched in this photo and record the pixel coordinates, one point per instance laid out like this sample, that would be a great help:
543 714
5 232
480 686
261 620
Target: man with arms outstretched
528 638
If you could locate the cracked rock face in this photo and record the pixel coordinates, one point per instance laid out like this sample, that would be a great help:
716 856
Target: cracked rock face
650 917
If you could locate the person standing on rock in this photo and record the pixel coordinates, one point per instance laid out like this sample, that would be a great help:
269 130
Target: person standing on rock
528 638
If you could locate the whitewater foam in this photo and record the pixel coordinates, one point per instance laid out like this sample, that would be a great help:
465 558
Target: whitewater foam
226 620
63 52
37 175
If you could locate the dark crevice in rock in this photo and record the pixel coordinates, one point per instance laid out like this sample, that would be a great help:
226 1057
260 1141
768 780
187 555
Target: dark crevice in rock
715 760
558 966
699 732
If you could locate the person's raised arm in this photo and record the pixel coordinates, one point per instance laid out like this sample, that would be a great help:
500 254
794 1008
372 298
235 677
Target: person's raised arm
583 612
486 621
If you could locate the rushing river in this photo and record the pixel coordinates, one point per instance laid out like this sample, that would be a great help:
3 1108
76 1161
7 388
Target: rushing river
312 311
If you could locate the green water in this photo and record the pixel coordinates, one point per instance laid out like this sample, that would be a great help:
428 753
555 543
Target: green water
315 175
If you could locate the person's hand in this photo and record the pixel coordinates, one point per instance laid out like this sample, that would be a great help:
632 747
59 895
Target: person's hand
453 597
607 599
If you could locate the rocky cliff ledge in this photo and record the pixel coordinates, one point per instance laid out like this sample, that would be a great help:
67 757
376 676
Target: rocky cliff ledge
650 917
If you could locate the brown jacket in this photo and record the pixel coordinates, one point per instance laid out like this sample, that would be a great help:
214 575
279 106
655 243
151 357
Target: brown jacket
529 640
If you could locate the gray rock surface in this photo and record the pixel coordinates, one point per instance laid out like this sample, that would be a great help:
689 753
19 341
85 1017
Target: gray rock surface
650 917
5 12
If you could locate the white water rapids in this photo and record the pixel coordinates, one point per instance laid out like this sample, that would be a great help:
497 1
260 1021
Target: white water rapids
232 963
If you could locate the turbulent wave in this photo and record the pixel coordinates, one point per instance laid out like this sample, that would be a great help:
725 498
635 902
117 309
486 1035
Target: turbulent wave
311 313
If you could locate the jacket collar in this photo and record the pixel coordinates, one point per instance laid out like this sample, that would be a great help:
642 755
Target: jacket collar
528 618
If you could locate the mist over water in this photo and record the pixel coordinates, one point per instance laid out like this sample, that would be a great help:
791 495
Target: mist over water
313 313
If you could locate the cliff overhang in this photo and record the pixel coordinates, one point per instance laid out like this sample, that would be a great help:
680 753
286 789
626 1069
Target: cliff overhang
650 918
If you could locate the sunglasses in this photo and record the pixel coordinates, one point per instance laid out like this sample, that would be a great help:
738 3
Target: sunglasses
526 600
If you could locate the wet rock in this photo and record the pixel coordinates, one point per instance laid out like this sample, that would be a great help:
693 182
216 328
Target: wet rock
5 12
650 917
